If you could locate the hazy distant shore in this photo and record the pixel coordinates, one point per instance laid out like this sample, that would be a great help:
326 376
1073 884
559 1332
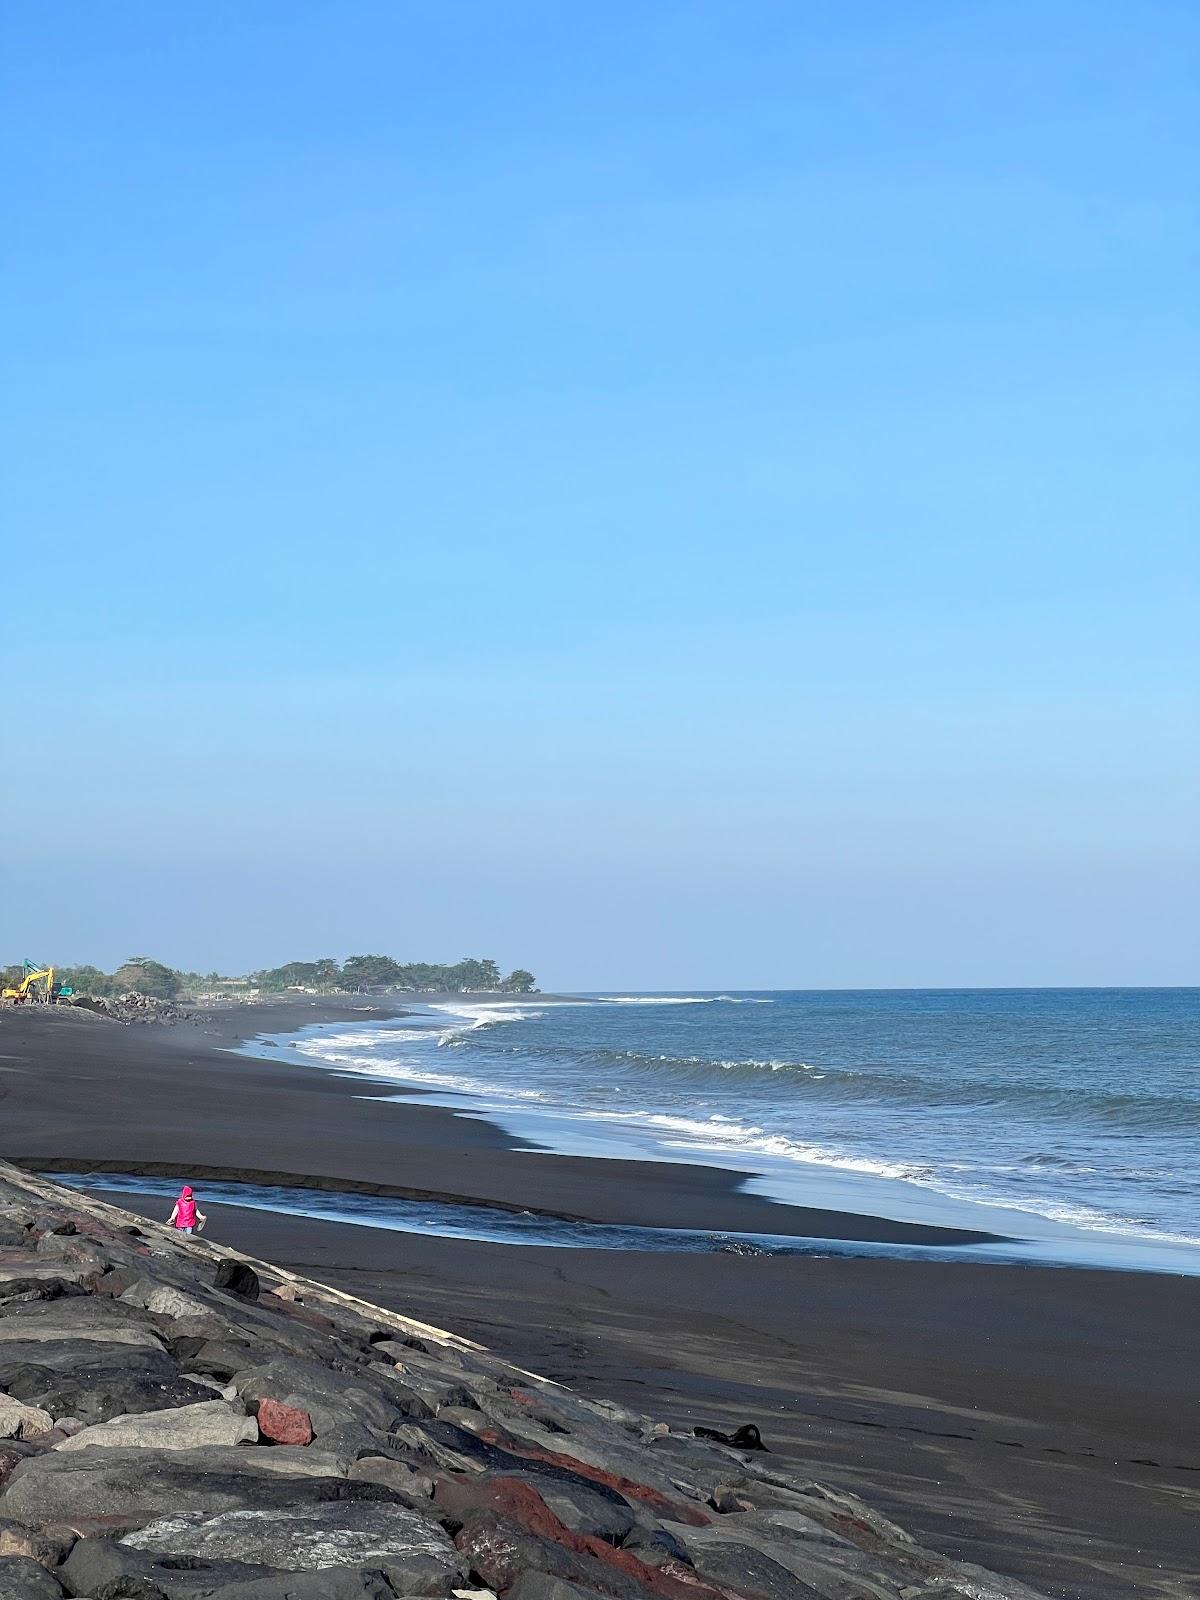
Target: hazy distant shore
1040 1416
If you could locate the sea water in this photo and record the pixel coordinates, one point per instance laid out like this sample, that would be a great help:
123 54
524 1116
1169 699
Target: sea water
1066 1116
491 1224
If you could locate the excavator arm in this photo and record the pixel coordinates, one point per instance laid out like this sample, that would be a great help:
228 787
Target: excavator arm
27 986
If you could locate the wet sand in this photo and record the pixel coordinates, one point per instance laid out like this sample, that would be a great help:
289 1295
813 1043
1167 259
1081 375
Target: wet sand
1042 1421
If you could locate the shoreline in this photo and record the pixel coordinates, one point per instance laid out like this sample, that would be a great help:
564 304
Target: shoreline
205 1104
510 1173
892 1210
1039 1421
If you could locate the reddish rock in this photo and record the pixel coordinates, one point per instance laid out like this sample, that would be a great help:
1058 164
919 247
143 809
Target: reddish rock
284 1424
91 1227
519 1504
499 1553
674 1510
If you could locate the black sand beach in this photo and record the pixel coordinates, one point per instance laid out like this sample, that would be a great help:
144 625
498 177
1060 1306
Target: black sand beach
1041 1421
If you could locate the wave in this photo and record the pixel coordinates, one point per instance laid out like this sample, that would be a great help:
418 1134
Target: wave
1175 1115
681 1000
1088 1218
726 1134
966 1125
478 1016
486 1015
394 1070
660 999
1170 1115
719 1132
529 1050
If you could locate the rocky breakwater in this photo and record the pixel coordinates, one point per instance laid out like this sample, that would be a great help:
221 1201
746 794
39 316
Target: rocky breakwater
177 1423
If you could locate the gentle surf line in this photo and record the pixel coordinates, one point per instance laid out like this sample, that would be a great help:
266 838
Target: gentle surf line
487 1224
949 1104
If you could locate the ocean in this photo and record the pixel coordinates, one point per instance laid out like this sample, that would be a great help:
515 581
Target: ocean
1069 1119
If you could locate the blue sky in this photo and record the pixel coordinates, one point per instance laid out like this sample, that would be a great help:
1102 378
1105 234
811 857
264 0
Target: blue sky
669 494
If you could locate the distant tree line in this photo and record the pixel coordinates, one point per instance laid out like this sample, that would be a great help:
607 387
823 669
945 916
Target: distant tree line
144 975
383 972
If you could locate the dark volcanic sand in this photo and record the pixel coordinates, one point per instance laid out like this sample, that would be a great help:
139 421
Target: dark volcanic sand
1042 1421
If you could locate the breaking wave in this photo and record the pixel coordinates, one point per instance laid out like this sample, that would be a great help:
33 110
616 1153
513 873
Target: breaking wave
1081 1108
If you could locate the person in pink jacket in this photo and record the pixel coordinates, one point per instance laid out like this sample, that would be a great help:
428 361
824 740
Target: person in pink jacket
186 1215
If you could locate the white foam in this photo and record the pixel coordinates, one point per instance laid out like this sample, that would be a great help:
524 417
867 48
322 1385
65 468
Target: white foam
321 1044
659 999
396 1070
726 1133
770 1066
680 1000
481 1016
1087 1218
720 1132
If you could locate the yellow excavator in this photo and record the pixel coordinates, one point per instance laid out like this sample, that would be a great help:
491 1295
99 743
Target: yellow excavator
35 988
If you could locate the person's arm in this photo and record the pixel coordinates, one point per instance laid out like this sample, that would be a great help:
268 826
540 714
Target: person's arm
174 1213
201 1219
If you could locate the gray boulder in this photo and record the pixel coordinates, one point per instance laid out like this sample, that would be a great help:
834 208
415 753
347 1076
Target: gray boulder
208 1422
411 1550
81 1252
98 1568
230 1319
348 1443
745 1568
48 1548
605 1516
164 1299
23 1579
61 1484
94 1381
791 1558
412 1488
13 1333
18 1275
19 1421
655 1546
830 1507
330 1397
541 1586
219 1360
346 1583
80 1317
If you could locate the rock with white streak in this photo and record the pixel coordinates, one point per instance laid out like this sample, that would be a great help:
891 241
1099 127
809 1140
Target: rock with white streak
412 1550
